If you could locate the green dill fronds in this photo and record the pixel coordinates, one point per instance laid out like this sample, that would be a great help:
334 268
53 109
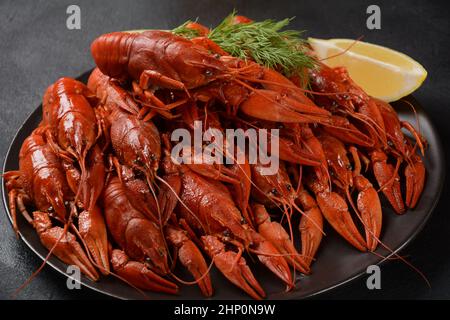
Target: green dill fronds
265 42
185 32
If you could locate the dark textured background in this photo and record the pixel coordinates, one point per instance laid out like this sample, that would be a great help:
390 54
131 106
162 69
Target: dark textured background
36 49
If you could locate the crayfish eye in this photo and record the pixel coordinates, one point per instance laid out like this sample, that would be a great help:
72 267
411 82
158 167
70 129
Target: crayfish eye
274 192
139 174
148 261
140 162
288 187
208 73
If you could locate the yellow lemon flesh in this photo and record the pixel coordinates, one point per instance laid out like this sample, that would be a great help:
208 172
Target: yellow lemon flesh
383 73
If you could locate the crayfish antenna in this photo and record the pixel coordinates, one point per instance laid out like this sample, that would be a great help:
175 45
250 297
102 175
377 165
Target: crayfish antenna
345 50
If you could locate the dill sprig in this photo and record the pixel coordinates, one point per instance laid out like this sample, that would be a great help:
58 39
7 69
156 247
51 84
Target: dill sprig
185 32
264 42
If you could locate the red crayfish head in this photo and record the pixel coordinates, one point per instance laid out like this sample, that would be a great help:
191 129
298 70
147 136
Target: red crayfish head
272 189
197 67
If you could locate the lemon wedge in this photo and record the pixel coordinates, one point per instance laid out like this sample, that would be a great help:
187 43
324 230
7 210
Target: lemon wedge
383 73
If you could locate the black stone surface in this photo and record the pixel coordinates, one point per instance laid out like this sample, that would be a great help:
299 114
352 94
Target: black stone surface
36 48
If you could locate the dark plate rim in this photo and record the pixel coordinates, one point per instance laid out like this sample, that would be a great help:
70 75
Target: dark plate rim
86 282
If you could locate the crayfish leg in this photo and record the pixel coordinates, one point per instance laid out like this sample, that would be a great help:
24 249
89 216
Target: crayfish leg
155 78
18 198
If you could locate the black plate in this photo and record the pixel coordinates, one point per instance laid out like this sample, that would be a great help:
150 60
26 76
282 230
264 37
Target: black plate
337 262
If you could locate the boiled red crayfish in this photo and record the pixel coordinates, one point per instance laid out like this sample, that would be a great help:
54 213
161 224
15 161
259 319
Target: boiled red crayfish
109 198
186 65
41 181
381 133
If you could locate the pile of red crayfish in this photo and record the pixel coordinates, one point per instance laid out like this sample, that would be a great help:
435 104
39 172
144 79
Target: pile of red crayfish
97 181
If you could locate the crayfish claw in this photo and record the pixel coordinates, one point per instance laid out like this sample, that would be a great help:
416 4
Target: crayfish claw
191 258
415 180
369 207
272 106
335 210
233 267
93 231
64 246
137 274
272 258
277 235
389 184
310 227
